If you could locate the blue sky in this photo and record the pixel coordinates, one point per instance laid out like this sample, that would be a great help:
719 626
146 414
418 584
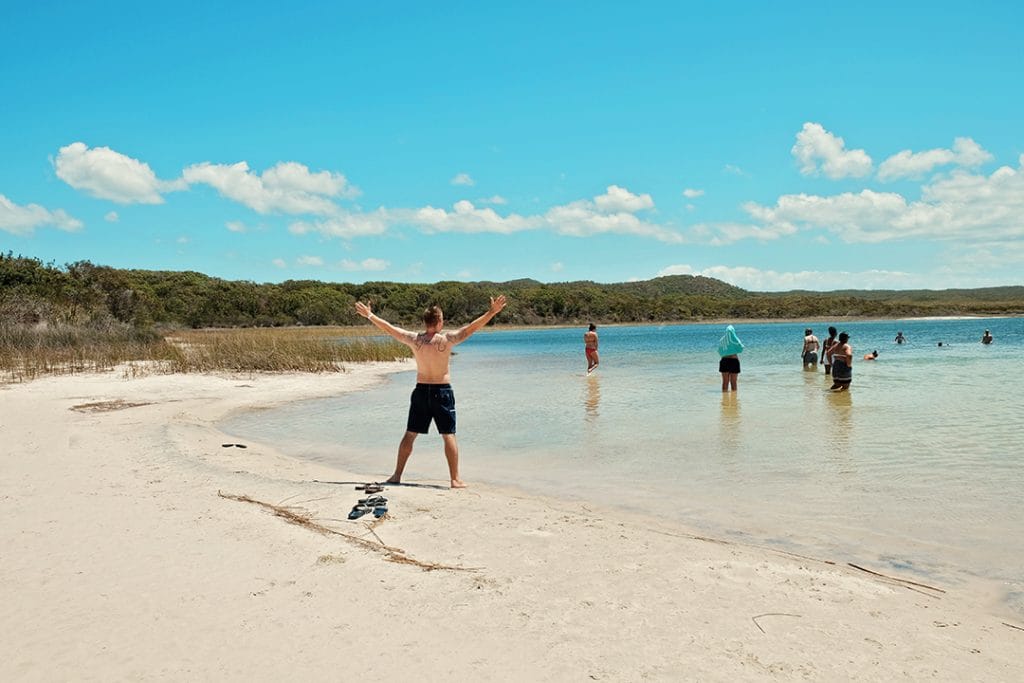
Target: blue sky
771 145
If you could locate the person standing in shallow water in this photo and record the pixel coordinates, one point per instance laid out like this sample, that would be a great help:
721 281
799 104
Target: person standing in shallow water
986 338
590 348
826 351
842 364
810 351
433 398
729 348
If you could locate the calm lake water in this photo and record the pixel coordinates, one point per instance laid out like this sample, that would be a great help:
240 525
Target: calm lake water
919 468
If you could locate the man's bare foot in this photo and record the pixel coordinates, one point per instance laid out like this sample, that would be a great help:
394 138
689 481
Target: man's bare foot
458 484
394 480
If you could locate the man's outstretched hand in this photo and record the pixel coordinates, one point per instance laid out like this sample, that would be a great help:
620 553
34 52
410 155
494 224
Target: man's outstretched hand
365 311
497 304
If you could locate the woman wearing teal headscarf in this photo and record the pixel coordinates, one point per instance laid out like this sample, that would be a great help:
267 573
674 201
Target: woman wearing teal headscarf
729 348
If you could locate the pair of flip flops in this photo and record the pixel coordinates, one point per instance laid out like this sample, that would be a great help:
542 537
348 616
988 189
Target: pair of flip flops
370 488
378 505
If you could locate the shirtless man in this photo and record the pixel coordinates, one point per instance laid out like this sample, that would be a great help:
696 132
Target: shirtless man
432 399
590 347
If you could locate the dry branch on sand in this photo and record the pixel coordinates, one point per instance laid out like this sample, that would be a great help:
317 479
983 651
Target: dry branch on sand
302 519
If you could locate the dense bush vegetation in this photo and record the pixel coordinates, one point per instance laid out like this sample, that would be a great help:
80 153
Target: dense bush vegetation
84 294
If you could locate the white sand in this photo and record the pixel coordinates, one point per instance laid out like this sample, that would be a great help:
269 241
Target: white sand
119 560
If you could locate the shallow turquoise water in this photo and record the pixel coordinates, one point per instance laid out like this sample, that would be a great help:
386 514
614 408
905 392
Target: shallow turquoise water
920 467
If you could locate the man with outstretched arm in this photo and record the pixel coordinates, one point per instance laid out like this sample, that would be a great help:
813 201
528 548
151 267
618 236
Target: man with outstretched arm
432 399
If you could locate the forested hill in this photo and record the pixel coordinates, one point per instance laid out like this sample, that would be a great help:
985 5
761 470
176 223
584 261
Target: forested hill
84 293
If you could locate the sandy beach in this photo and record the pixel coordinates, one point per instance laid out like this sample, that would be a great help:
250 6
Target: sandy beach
136 547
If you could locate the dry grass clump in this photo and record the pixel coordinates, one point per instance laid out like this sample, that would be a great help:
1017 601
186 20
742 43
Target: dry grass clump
30 352
277 350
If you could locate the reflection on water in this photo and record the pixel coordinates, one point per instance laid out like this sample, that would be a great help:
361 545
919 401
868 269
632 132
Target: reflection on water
592 399
840 419
729 424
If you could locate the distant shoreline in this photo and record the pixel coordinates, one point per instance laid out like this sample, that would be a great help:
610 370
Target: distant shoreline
751 321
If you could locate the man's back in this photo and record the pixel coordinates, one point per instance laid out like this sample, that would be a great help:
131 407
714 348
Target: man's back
433 353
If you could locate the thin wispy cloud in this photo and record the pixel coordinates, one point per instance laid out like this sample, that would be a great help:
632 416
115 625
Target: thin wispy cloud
760 280
315 261
369 264
915 165
111 217
346 224
732 169
692 193
462 179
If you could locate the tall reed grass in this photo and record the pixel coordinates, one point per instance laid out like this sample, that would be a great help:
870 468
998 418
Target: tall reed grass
30 352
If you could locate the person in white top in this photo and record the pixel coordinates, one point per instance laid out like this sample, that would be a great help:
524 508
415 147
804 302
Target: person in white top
810 350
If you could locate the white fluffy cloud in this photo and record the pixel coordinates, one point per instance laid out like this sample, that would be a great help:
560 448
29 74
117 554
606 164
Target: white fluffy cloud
964 206
618 199
819 151
369 264
612 212
462 179
759 280
288 187
107 174
906 164
23 220
465 217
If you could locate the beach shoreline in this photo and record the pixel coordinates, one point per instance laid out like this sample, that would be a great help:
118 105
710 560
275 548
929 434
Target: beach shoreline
138 546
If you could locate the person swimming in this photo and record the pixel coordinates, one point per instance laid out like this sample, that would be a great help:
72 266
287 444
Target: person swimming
871 356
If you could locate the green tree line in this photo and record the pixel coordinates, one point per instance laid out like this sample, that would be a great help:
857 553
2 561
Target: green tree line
83 293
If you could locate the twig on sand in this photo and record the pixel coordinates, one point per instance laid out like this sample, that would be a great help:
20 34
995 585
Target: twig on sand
304 520
375 534
1012 626
898 580
771 614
